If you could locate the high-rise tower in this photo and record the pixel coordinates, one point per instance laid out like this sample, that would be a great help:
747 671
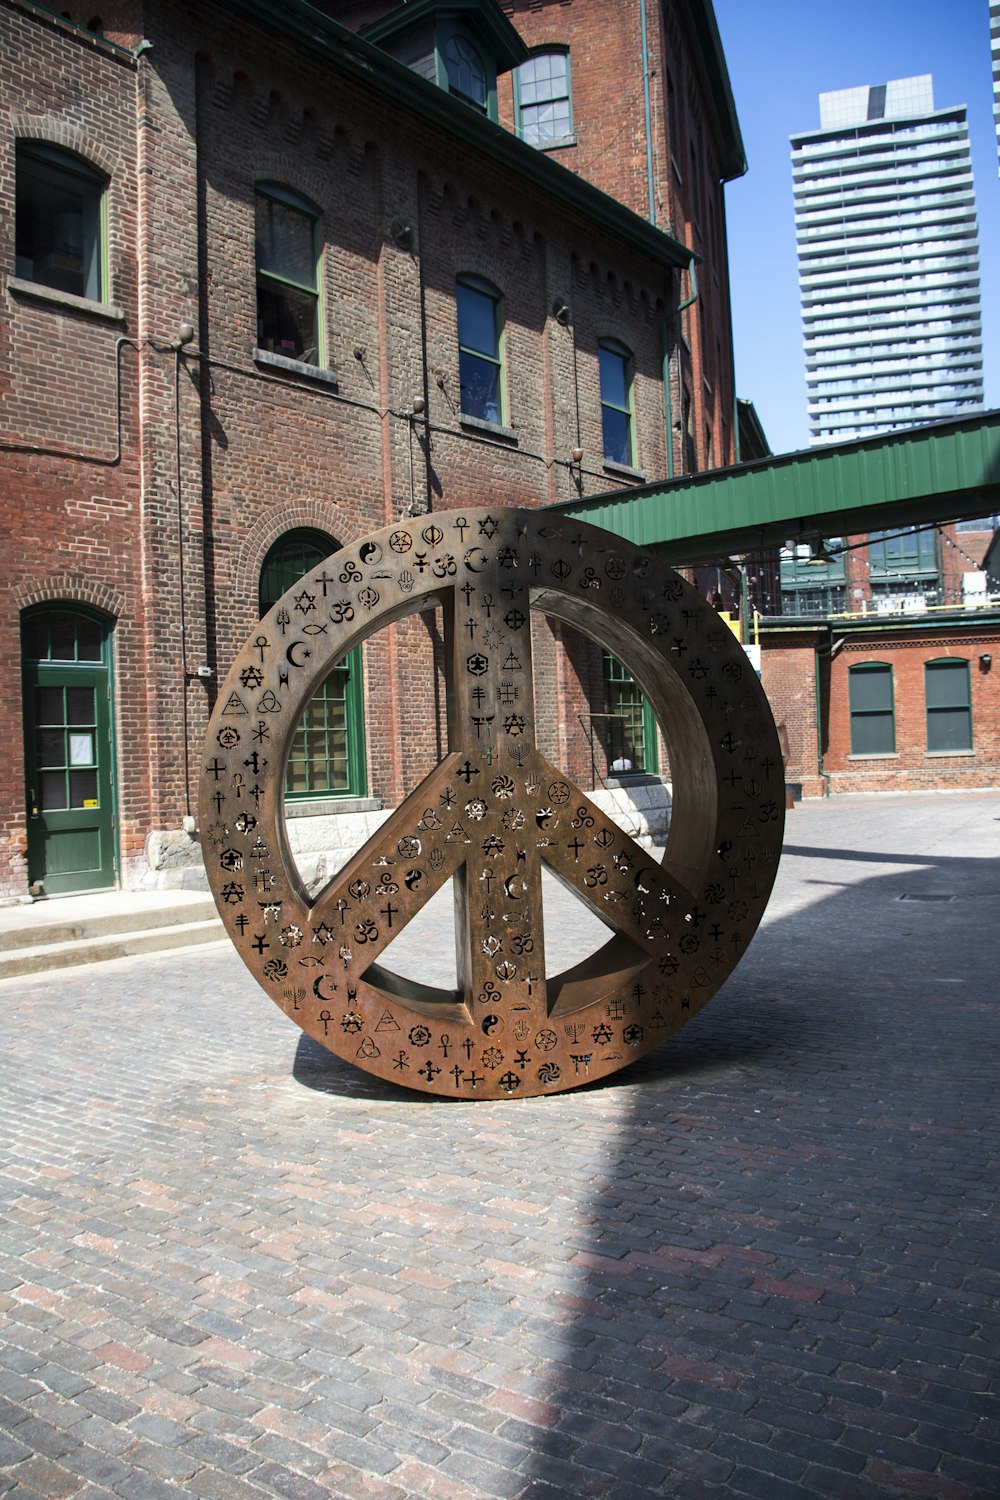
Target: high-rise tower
888 261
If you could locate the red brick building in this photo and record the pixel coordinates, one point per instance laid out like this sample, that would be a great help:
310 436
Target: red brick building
275 275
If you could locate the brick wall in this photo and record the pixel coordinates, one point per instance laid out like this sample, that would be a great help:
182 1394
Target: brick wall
222 454
791 658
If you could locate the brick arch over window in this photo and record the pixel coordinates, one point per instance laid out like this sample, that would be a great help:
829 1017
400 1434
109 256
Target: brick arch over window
56 130
69 588
298 515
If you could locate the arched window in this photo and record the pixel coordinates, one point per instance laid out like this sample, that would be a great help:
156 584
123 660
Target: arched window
615 364
288 288
949 705
542 99
466 73
479 309
59 221
873 718
327 755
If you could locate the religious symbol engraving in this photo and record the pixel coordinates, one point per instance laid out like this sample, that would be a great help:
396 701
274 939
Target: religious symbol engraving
491 824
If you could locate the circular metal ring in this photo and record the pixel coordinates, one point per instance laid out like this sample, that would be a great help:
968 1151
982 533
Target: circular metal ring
495 810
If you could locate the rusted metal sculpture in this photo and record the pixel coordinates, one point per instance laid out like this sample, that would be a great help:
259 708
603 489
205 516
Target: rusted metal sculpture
494 811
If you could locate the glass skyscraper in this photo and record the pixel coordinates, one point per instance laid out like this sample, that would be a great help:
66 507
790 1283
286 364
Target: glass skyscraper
888 261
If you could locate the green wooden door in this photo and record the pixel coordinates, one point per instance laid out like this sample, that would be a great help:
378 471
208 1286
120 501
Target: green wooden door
68 753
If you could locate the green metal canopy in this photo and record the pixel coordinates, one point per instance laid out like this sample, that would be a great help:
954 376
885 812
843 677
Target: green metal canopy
944 471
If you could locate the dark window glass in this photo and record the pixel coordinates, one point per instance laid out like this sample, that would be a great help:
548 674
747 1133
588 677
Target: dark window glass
915 552
616 402
58 217
543 114
949 706
287 276
479 353
466 74
873 729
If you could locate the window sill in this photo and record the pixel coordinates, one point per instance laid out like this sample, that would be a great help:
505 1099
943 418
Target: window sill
294 367
624 471
493 429
108 312
946 754
566 140
330 806
877 755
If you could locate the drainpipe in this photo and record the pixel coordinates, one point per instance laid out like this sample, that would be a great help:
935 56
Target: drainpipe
650 188
668 405
819 730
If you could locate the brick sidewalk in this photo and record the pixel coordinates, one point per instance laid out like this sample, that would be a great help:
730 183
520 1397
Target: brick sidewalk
761 1263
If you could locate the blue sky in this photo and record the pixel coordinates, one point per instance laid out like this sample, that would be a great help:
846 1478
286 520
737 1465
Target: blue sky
782 55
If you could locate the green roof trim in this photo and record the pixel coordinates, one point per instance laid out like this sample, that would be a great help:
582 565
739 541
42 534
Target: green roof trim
942 471
305 26
507 46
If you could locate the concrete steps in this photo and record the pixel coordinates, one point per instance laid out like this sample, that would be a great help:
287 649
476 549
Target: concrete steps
64 932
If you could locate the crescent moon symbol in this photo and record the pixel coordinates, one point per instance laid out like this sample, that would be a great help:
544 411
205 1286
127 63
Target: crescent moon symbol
289 656
475 552
646 870
317 988
508 887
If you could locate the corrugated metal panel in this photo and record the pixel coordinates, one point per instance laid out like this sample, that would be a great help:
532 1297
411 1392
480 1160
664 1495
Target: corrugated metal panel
944 471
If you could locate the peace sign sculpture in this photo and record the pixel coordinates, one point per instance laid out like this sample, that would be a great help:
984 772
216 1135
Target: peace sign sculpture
494 810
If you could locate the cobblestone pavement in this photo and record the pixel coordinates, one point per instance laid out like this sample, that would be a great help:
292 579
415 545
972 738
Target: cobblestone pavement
763 1262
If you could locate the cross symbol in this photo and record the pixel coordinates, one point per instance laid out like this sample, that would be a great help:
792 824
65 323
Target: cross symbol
479 722
576 846
473 1079
471 626
468 591
324 578
389 911
468 771
216 768
429 1071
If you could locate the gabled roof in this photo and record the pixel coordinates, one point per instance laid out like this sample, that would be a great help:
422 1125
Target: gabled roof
506 46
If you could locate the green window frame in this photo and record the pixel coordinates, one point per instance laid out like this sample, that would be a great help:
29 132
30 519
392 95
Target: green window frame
479 314
287 248
543 100
616 368
948 698
60 215
327 754
632 742
466 73
872 709
915 552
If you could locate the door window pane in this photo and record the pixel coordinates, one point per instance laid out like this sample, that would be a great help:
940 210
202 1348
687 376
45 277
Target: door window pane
52 791
80 705
83 788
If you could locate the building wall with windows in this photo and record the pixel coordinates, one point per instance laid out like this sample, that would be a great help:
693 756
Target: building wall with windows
885 704
888 253
278 357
